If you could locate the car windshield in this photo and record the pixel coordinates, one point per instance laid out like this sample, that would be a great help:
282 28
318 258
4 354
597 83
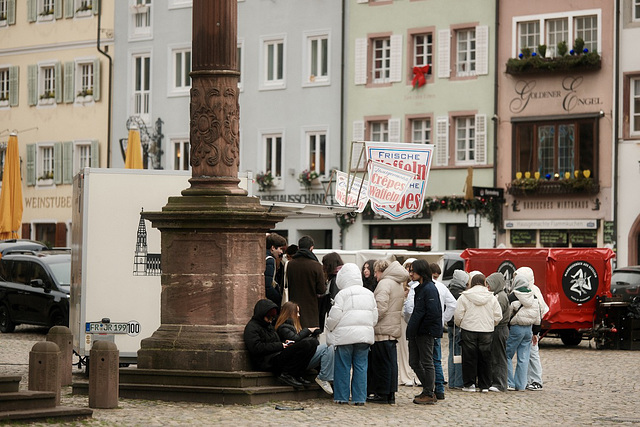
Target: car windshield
623 277
62 272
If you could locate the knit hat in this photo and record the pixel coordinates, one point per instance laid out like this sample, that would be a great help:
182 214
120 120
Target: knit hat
349 275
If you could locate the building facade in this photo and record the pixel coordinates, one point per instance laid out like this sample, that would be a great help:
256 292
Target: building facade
556 126
53 93
424 72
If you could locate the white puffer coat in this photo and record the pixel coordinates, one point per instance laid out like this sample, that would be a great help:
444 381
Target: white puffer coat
354 312
527 307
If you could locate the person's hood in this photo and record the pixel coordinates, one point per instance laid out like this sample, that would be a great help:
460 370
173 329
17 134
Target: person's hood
459 280
408 261
395 272
522 291
473 273
527 273
305 253
349 275
262 307
496 282
521 283
479 295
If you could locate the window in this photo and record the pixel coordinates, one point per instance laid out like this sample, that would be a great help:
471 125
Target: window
181 67
557 31
465 139
141 17
4 87
181 154
84 8
552 29
421 131
587 30
556 147
273 154
529 35
635 107
141 85
317 145
416 237
45 83
381 60
273 63
82 81
466 52
46 10
45 165
317 58
85 155
636 10
379 131
3 12
423 50
240 62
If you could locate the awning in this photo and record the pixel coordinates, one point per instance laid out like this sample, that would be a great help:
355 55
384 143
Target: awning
307 210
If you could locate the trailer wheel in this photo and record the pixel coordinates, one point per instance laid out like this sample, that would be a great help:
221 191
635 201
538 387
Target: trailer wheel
6 325
570 337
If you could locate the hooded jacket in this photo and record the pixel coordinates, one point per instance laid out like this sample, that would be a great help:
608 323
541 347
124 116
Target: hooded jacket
526 308
354 312
260 337
497 285
389 296
478 310
527 272
426 318
457 285
306 282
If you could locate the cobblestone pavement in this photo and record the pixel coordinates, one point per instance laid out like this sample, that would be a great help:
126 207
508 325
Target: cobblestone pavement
582 386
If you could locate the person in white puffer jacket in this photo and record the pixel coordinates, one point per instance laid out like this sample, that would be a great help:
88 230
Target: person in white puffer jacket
349 327
525 312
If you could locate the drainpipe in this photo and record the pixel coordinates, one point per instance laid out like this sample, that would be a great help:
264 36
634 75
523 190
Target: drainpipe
496 124
104 52
615 118
342 72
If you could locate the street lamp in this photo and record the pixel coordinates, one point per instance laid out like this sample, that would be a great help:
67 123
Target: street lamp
473 219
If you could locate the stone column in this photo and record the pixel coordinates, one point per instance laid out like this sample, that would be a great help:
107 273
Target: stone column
213 236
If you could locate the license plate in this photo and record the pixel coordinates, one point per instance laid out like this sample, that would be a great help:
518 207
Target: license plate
130 328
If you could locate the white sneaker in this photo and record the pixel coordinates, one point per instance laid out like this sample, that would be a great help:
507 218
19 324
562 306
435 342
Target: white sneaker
325 385
471 388
485 390
511 388
492 388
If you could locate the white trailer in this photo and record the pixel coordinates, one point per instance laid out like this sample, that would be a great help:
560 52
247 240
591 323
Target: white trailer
111 252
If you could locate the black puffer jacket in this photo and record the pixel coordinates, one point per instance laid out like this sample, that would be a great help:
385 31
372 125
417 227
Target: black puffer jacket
287 331
261 338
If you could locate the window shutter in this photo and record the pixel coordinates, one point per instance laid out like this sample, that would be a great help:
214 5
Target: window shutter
95 154
69 5
13 85
31 164
358 131
360 66
26 230
57 162
96 6
444 54
396 58
11 12
67 162
32 84
394 130
57 8
96 80
481 139
69 89
59 87
442 141
482 50
32 11
61 235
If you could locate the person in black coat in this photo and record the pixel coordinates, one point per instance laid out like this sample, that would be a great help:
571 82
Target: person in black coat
288 359
424 325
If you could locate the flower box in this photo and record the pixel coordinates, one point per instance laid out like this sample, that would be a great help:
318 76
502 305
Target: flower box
532 186
4 103
569 63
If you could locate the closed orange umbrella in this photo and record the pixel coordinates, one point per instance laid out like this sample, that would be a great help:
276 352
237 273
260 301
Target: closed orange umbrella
11 194
133 158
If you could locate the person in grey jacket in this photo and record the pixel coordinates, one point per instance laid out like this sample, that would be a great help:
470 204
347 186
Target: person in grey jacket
499 376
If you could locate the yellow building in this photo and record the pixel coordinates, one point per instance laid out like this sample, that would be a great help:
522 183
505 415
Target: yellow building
54 92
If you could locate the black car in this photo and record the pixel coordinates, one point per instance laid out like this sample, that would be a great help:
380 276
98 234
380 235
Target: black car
34 289
626 282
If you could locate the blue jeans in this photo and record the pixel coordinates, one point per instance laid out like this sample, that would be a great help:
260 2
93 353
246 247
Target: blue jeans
437 364
535 366
519 342
455 370
346 357
324 357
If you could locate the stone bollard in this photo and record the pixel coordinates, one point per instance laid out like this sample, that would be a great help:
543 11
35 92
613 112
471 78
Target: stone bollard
104 380
62 336
44 360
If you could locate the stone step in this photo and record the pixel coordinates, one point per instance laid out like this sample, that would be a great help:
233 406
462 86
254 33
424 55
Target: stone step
58 413
237 379
9 383
26 400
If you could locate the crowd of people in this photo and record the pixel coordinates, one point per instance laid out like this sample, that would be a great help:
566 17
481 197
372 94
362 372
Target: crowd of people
366 330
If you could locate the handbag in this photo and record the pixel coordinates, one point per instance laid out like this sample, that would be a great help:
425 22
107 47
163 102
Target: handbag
285 289
457 358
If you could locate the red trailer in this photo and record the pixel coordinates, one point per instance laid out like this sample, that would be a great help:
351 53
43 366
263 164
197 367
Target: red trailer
572 280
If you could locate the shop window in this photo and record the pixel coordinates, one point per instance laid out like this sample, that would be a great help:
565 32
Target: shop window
459 236
415 237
